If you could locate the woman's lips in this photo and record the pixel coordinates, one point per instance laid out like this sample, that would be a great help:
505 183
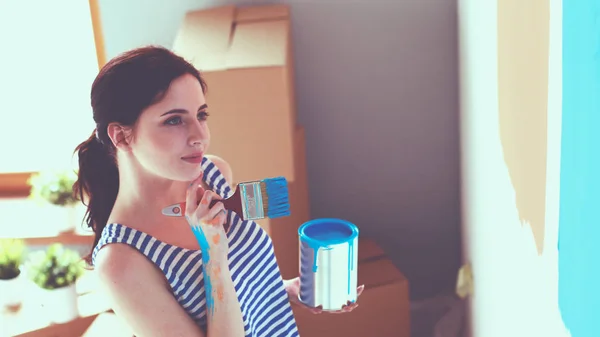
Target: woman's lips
193 159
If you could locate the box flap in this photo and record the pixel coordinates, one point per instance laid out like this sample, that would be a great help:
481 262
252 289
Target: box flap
228 37
203 38
259 44
262 13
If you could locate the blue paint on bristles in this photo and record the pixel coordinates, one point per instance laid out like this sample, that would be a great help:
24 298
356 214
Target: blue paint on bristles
278 203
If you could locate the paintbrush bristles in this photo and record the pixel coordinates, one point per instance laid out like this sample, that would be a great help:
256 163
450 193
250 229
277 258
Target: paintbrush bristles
275 197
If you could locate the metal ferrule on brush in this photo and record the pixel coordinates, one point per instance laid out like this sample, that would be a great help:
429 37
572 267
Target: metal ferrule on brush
252 200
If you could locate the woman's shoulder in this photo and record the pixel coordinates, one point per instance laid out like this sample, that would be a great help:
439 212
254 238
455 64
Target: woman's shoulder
222 165
120 267
137 290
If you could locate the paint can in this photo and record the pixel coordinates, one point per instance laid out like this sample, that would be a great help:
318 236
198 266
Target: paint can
328 263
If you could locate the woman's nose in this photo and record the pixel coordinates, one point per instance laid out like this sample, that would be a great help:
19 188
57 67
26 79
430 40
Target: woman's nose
197 135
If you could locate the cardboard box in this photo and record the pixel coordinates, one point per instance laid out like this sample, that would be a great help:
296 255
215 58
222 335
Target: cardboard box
284 230
368 250
383 311
244 55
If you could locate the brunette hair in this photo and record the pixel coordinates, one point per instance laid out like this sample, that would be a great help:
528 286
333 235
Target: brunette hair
123 88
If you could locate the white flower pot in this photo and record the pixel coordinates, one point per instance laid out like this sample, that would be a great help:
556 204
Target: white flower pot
73 219
60 304
67 218
59 218
11 291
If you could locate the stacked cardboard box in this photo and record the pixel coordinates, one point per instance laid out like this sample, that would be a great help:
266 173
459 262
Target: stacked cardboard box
245 56
383 309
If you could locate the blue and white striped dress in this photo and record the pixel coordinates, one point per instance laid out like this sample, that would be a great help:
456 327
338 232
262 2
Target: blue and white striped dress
258 283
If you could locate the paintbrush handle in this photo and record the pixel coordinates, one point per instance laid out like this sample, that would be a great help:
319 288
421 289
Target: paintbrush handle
226 202
233 203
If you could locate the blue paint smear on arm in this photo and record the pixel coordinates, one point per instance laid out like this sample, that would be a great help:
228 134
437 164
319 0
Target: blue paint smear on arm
203 243
579 220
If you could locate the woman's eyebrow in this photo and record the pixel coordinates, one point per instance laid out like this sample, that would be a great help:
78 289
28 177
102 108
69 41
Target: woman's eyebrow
182 111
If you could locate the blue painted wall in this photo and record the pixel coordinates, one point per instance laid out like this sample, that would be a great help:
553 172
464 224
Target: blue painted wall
579 232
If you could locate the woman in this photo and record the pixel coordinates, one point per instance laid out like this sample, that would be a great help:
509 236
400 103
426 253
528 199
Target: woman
149 150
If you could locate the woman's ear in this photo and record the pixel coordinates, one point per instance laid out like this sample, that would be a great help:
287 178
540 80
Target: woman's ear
120 136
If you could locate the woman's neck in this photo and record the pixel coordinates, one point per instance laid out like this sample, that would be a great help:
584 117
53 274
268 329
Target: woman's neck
143 195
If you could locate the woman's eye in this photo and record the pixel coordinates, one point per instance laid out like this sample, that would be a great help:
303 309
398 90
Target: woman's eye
203 115
173 121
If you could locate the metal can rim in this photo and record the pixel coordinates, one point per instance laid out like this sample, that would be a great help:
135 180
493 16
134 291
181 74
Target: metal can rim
304 237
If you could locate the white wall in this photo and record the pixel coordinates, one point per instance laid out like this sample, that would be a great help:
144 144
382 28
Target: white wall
516 290
377 87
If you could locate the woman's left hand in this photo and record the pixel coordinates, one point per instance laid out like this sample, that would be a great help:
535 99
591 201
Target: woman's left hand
292 288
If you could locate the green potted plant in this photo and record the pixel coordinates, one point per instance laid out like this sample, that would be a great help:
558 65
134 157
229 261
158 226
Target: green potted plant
12 252
54 186
55 272
54 189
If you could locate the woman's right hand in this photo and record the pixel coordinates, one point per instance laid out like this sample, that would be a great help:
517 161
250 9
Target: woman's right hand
207 223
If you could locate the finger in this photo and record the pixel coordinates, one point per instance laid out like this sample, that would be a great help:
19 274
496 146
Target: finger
220 219
215 210
223 217
191 195
203 205
214 200
351 307
346 309
360 290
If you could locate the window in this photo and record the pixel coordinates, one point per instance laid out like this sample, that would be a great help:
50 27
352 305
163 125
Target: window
48 63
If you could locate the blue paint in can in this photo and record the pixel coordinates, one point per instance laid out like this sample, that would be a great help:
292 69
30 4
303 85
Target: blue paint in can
325 233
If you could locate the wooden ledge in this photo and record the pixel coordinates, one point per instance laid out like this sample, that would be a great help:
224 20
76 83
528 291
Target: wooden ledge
69 238
15 184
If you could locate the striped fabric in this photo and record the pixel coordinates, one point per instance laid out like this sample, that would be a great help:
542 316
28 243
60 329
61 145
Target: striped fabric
255 273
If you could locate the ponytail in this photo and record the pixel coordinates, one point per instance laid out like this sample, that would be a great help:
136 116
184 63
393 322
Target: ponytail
97 183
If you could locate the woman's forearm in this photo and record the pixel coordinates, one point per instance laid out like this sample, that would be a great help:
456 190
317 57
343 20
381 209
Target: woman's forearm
224 315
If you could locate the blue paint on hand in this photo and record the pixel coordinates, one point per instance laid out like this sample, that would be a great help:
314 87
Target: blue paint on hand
203 242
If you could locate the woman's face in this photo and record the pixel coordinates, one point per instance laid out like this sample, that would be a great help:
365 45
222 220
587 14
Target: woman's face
171 137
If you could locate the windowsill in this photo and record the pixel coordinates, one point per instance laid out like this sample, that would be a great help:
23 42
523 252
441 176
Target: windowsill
64 238
35 237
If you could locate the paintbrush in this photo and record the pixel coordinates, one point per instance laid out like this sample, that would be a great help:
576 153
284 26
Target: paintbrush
253 200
